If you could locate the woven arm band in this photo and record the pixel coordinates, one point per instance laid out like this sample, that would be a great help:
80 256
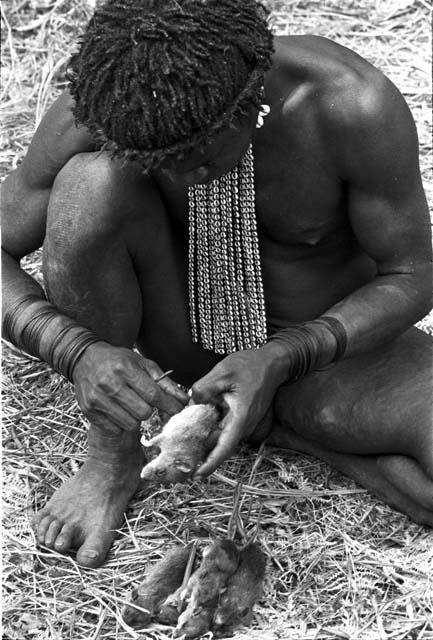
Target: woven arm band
35 326
307 346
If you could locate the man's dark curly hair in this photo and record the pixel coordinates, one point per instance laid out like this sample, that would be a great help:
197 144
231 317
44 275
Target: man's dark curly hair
154 79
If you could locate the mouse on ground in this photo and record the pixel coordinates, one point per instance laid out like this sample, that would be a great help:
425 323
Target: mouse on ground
205 586
244 587
194 623
184 443
162 578
174 604
172 607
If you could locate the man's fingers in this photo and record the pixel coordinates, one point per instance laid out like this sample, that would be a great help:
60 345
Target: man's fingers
115 410
165 383
164 395
131 402
209 389
221 452
121 416
229 438
157 397
102 422
172 389
152 393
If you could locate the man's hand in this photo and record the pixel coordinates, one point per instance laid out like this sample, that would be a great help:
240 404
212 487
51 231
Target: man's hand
244 385
116 388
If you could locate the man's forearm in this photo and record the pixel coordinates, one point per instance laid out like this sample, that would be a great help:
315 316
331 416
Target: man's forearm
36 326
383 309
16 283
367 318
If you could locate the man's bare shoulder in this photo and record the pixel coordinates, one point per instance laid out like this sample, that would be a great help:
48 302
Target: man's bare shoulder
56 141
340 81
355 105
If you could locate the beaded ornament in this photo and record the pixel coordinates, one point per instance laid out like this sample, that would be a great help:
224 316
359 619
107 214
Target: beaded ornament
227 305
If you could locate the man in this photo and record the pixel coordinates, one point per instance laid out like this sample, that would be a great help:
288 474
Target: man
319 259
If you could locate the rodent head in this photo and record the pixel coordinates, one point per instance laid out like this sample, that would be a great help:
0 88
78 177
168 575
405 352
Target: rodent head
139 612
223 554
166 469
230 612
193 623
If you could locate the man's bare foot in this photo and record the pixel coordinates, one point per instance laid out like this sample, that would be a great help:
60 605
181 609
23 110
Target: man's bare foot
85 511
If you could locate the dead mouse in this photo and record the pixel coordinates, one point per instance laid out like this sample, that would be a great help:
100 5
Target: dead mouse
204 588
175 603
243 589
172 607
184 443
194 623
163 578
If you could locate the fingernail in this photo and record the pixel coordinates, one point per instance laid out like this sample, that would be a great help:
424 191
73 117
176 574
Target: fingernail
90 554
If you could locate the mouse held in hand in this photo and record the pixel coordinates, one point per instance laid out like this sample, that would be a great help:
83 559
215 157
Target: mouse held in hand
184 443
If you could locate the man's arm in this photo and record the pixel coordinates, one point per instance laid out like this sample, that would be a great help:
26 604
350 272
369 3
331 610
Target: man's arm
372 139
375 147
376 152
110 372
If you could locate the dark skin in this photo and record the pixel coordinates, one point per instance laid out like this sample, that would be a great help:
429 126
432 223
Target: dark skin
344 231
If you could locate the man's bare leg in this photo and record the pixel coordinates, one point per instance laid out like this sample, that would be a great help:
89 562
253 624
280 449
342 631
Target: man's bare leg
89 277
383 476
370 418
95 274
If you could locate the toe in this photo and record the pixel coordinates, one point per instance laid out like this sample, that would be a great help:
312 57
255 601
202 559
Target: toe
64 540
52 533
92 553
42 528
37 518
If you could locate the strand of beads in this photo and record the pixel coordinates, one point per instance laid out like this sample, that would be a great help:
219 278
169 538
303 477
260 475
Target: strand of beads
227 306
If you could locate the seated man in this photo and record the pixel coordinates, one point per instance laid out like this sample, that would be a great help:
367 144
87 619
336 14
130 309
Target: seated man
247 211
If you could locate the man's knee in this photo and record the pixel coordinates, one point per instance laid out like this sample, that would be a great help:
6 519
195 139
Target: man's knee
317 421
83 198
328 420
95 196
328 427
80 220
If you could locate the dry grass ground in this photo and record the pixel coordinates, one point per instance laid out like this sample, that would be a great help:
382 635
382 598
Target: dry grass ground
341 564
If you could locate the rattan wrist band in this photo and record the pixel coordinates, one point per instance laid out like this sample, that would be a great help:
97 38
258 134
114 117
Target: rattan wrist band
13 312
63 350
74 350
306 346
31 333
339 333
68 346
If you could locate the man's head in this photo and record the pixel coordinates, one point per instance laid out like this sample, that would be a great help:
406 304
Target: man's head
163 80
